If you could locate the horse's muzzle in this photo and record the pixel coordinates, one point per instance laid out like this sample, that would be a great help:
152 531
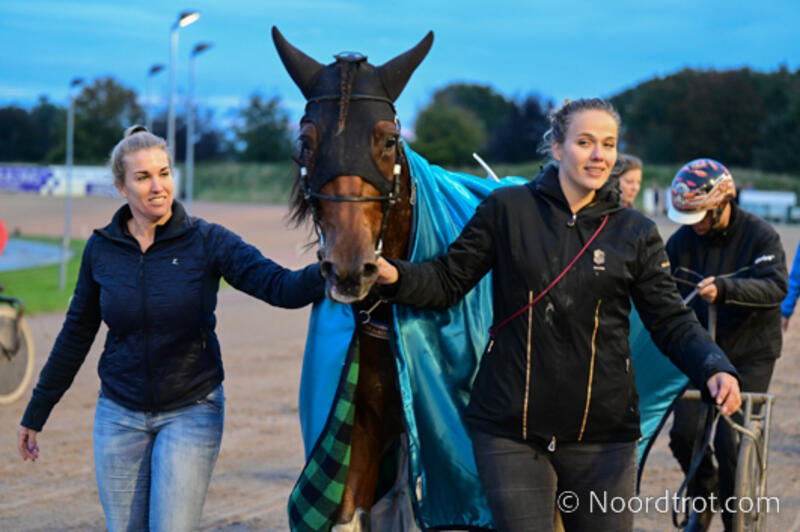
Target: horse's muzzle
349 284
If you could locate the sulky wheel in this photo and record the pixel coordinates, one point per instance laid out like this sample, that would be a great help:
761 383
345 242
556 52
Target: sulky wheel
16 355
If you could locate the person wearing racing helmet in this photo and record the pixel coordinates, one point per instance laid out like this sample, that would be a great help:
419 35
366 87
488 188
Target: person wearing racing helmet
731 259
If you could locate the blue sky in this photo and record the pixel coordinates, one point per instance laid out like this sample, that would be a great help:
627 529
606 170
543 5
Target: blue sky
558 49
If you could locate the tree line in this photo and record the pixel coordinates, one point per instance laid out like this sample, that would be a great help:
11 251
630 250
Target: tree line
465 118
741 117
104 109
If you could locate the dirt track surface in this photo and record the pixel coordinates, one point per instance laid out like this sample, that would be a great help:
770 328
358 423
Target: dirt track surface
262 451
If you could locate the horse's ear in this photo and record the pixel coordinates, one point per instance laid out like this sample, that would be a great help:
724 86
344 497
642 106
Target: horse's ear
396 72
301 67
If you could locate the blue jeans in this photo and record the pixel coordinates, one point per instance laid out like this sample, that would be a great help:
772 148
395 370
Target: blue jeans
153 469
524 483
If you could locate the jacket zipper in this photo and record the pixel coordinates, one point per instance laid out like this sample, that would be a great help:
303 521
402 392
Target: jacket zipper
149 377
591 369
527 370
570 223
552 445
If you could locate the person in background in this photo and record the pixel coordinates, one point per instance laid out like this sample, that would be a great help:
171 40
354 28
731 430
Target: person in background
152 276
787 307
658 200
628 172
733 260
554 409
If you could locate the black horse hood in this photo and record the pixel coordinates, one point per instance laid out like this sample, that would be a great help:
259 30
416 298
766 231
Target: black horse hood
345 100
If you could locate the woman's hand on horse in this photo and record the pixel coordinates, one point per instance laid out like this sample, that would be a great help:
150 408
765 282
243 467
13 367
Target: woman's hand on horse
26 443
724 388
387 274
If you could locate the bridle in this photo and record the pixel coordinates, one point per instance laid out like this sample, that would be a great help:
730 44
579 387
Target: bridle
388 200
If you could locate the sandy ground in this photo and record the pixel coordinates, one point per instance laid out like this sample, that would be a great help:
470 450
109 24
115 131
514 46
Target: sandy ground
262 451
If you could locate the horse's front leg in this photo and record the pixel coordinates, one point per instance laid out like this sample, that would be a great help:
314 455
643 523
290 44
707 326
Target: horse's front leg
377 423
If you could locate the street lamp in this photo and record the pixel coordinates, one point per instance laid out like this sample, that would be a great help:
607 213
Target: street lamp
184 19
155 69
198 48
62 270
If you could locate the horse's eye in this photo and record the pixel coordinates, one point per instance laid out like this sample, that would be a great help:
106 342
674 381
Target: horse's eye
304 149
390 143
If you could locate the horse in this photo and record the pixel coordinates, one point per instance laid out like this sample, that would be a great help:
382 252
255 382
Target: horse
354 184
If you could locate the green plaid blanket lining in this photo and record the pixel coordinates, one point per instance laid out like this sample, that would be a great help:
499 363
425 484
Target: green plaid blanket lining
315 499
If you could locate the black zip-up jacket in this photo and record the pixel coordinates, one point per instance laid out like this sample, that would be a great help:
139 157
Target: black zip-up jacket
562 370
748 303
161 351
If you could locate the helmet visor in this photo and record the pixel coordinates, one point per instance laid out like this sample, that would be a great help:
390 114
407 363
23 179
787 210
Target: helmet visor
681 217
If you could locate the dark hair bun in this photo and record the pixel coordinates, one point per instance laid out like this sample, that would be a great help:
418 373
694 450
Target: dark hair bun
135 129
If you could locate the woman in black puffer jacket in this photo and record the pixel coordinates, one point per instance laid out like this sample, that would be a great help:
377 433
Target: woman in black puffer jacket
554 409
152 276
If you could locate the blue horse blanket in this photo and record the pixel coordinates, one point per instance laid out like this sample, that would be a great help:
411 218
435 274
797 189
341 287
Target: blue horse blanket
437 354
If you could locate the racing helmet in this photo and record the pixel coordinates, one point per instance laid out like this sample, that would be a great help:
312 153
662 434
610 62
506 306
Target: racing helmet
699 186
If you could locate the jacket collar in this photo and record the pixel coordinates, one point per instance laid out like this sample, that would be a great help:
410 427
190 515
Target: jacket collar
722 235
606 199
177 224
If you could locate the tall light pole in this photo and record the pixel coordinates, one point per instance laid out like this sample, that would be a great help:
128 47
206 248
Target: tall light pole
198 48
155 69
184 19
62 270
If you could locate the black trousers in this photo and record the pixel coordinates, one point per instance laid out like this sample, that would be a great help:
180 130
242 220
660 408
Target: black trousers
755 376
590 483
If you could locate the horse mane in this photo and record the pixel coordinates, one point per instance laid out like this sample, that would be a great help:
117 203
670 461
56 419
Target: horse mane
348 71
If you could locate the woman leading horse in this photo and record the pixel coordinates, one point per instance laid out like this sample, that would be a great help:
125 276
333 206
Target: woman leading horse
554 409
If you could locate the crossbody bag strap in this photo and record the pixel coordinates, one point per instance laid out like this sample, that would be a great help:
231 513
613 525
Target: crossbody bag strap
493 330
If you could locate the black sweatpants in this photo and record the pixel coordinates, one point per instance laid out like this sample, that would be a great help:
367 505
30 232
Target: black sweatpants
590 483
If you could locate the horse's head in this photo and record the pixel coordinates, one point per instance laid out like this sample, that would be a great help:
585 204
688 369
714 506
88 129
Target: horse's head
350 157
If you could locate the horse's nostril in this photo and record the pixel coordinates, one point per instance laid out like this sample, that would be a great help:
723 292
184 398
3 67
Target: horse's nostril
370 270
326 267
